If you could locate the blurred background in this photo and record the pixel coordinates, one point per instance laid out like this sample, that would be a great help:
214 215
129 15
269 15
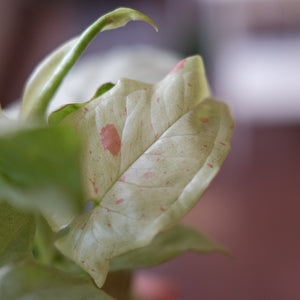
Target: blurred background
251 50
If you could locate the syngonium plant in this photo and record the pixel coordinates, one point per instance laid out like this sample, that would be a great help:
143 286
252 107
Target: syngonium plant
97 189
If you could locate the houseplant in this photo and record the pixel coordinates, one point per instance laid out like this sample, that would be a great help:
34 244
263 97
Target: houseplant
96 189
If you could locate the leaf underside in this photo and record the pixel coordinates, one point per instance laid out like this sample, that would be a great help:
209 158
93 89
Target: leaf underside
150 152
166 246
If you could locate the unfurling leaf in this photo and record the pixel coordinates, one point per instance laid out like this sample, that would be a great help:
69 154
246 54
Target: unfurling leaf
49 74
31 281
16 234
150 151
166 246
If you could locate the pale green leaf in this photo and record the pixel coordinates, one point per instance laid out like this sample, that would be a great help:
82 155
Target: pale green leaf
47 77
150 151
35 282
16 234
39 169
166 246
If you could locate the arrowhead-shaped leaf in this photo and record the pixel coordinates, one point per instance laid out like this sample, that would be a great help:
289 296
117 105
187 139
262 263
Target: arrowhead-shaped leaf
166 246
47 77
39 169
150 151
35 282
16 234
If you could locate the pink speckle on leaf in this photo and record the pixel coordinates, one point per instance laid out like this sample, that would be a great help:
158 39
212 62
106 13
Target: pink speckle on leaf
209 165
83 226
162 209
232 126
94 185
86 109
148 175
119 201
223 144
156 136
158 159
179 66
110 139
157 100
204 120
90 151
123 178
189 85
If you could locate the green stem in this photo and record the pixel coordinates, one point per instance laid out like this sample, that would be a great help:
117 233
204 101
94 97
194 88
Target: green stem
44 241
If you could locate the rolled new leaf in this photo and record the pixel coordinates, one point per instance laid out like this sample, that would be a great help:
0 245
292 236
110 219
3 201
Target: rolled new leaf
47 77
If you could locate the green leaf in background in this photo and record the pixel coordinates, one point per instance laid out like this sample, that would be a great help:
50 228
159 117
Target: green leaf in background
35 282
166 246
16 234
149 153
39 169
47 77
57 116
